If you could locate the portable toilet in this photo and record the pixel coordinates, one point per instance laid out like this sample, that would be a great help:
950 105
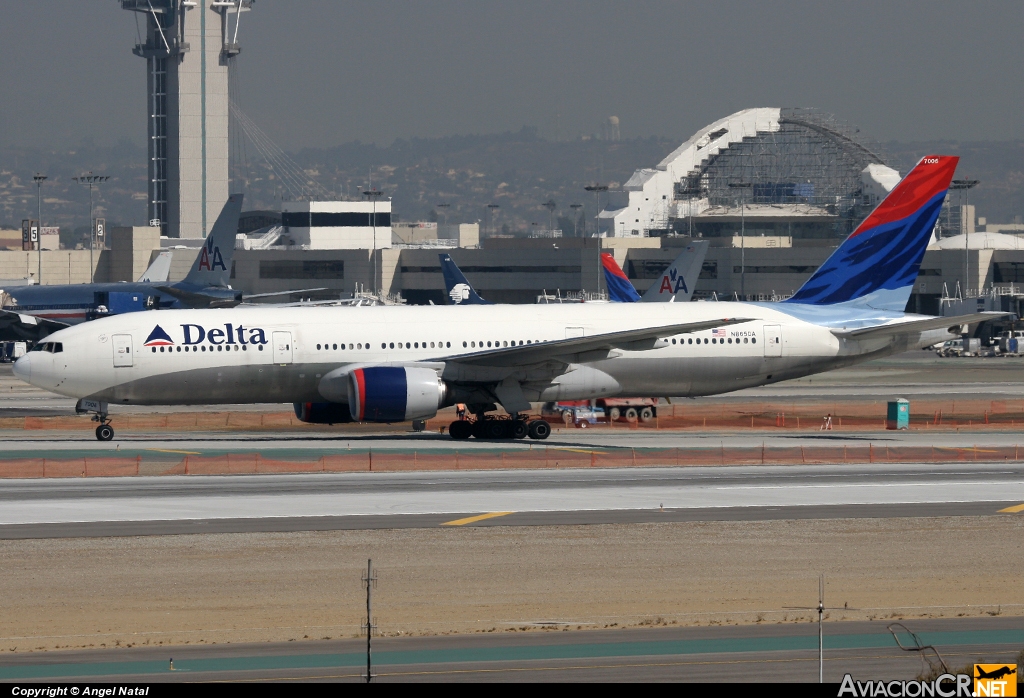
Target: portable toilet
898 416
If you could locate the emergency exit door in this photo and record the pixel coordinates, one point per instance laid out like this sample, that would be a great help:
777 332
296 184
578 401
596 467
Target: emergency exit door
282 347
773 340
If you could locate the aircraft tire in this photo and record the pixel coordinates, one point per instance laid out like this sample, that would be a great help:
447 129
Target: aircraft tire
460 429
496 429
539 430
104 432
520 429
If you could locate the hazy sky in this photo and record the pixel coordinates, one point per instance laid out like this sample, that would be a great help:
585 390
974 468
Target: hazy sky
319 72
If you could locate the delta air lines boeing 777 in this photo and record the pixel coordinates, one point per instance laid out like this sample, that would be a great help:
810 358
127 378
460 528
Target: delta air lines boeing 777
396 363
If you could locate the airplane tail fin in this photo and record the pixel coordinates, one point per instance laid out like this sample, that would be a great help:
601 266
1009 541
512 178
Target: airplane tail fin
456 285
213 264
159 270
620 290
878 264
677 282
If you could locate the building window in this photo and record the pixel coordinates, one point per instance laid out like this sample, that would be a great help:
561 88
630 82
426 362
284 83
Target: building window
302 269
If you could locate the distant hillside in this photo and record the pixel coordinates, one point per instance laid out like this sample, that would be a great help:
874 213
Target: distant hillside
517 171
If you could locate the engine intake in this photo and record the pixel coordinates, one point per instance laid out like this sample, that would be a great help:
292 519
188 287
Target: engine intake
322 412
394 393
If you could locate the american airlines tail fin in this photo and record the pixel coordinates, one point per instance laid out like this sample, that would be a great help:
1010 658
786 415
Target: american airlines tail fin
159 270
456 285
677 282
878 264
213 264
620 289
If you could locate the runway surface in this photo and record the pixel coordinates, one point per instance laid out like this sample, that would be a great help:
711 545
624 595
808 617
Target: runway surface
777 652
128 506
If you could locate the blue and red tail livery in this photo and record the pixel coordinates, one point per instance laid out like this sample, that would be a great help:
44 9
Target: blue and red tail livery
620 290
878 264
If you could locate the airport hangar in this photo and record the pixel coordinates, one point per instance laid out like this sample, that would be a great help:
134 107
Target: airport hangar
774 190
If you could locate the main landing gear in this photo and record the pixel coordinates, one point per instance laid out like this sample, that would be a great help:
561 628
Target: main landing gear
498 428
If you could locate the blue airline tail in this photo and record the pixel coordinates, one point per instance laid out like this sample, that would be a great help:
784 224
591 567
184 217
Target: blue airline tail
456 285
877 265
620 289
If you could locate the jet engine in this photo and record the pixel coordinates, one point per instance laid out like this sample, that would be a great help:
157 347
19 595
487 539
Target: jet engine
394 393
322 412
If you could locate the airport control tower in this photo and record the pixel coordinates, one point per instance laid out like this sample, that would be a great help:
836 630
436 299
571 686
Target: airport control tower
188 46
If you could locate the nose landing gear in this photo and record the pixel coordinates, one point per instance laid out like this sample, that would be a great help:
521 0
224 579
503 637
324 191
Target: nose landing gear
104 432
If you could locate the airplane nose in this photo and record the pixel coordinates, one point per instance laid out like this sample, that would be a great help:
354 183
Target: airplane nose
23 368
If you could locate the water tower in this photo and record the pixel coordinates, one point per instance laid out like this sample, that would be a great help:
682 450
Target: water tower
188 46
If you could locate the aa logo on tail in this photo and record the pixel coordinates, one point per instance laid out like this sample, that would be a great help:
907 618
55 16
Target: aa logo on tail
210 258
158 338
673 282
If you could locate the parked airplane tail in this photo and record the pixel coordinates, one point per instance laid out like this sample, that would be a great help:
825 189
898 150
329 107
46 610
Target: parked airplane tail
878 264
213 264
159 270
456 285
676 283
620 290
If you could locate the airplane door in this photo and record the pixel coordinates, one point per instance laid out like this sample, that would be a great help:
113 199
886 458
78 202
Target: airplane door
122 346
773 340
282 347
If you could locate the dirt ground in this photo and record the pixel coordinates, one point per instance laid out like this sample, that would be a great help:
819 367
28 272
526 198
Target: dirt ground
68 593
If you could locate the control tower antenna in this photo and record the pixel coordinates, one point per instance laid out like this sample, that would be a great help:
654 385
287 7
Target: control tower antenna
188 46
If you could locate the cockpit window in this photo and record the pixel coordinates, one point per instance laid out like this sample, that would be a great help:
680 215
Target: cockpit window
51 347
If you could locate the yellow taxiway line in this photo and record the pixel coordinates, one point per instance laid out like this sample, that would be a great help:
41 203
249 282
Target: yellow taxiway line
1012 510
474 519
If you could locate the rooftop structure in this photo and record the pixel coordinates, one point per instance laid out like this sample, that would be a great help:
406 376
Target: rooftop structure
776 171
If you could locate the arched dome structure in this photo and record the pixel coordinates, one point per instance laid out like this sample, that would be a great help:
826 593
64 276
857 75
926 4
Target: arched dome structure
784 165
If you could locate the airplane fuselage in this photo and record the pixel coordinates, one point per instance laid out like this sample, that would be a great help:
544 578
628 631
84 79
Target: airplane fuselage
248 355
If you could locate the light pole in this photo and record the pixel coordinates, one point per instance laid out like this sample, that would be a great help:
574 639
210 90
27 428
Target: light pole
963 185
490 215
597 189
575 217
39 178
743 251
550 205
373 195
91 180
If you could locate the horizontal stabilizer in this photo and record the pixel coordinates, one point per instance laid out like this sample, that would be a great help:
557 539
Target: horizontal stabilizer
953 323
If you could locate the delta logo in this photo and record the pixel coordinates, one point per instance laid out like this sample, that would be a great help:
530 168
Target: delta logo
673 282
210 258
158 338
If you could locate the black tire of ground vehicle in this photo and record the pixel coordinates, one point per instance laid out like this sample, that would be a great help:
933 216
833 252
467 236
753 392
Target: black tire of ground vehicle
646 414
582 424
496 429
630 414
520 429
460 429
614 414
104 432
539 430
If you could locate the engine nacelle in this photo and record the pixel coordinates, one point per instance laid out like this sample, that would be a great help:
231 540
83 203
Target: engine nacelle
394 393
322 412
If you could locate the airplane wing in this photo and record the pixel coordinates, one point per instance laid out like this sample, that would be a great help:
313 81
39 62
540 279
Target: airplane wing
199 300
953 323
571 350
19 327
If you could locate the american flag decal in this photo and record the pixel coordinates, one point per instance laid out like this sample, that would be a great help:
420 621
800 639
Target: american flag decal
718 333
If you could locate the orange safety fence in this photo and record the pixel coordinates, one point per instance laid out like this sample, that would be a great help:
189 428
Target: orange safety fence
537 457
